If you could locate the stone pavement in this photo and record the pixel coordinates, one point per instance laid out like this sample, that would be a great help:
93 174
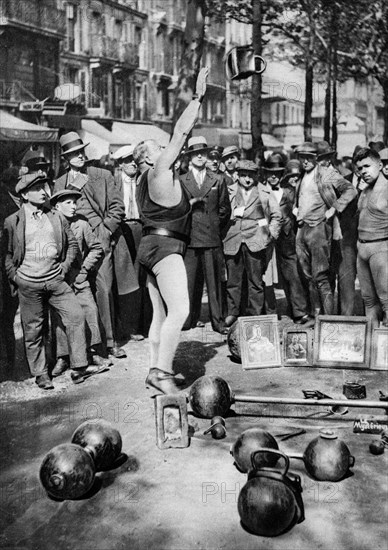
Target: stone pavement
182 498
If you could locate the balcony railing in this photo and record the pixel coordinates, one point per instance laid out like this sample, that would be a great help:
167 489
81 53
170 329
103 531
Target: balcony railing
33 14
111 48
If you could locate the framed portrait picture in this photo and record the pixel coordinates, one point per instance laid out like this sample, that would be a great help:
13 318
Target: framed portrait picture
379 351
260 342
297 347
341 341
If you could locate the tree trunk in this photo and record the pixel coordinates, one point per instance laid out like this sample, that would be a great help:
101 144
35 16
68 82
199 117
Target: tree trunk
384 84
308 104
327 120
191 56
256 102
334 133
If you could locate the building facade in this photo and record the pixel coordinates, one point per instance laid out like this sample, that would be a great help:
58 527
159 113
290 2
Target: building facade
91 65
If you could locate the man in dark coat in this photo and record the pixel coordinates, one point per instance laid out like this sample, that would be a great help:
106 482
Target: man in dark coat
297 299
204 259
102 205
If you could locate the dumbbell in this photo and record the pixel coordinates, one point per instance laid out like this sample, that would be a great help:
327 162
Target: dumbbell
68 470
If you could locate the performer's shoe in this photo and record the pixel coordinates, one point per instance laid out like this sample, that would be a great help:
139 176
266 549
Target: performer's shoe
200 324
161 381
44 382
60 367
79 375
118 353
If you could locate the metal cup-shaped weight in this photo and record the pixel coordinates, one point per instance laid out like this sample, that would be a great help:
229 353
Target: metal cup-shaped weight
327 458
67 472
101 440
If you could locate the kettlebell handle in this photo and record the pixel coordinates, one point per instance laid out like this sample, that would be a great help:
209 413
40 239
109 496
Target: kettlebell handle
272 451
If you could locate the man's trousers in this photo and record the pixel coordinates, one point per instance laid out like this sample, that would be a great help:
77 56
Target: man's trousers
206 265
34 297
254 264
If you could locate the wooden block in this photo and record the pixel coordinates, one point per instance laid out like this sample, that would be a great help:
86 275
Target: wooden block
369 424
172 426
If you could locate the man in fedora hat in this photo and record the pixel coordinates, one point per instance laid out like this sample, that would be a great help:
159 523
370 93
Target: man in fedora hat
372 246
204 258
230 157
248 244
320 195
89 256
132 308
298 303
40 250
101 204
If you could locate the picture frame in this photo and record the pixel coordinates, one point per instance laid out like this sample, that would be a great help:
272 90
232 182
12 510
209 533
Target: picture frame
342 342
379 349
260 342
297 346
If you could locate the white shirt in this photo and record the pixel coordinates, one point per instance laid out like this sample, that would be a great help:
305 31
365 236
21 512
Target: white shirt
278 194
129 197
199 175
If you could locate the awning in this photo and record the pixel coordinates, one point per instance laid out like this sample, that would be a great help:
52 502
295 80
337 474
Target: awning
104 142
269 141
135 132
218 136
99 138
16 129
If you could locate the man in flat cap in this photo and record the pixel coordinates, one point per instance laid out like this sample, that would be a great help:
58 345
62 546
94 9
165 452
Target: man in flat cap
204 258
39 251
320 195
230 157
248 245
102 205
89 256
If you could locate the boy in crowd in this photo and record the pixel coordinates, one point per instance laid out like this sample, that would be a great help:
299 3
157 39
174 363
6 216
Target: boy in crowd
89 256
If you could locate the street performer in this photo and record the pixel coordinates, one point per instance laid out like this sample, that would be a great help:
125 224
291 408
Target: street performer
166 214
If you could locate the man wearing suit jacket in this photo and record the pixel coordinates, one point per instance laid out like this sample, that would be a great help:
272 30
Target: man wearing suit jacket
297 300
248 245
204 258
102 206
39 251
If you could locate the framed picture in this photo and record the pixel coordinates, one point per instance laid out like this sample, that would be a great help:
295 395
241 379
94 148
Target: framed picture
379 353
341 341
297 347
260 343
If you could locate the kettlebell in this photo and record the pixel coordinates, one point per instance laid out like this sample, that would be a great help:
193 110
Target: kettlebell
270 503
